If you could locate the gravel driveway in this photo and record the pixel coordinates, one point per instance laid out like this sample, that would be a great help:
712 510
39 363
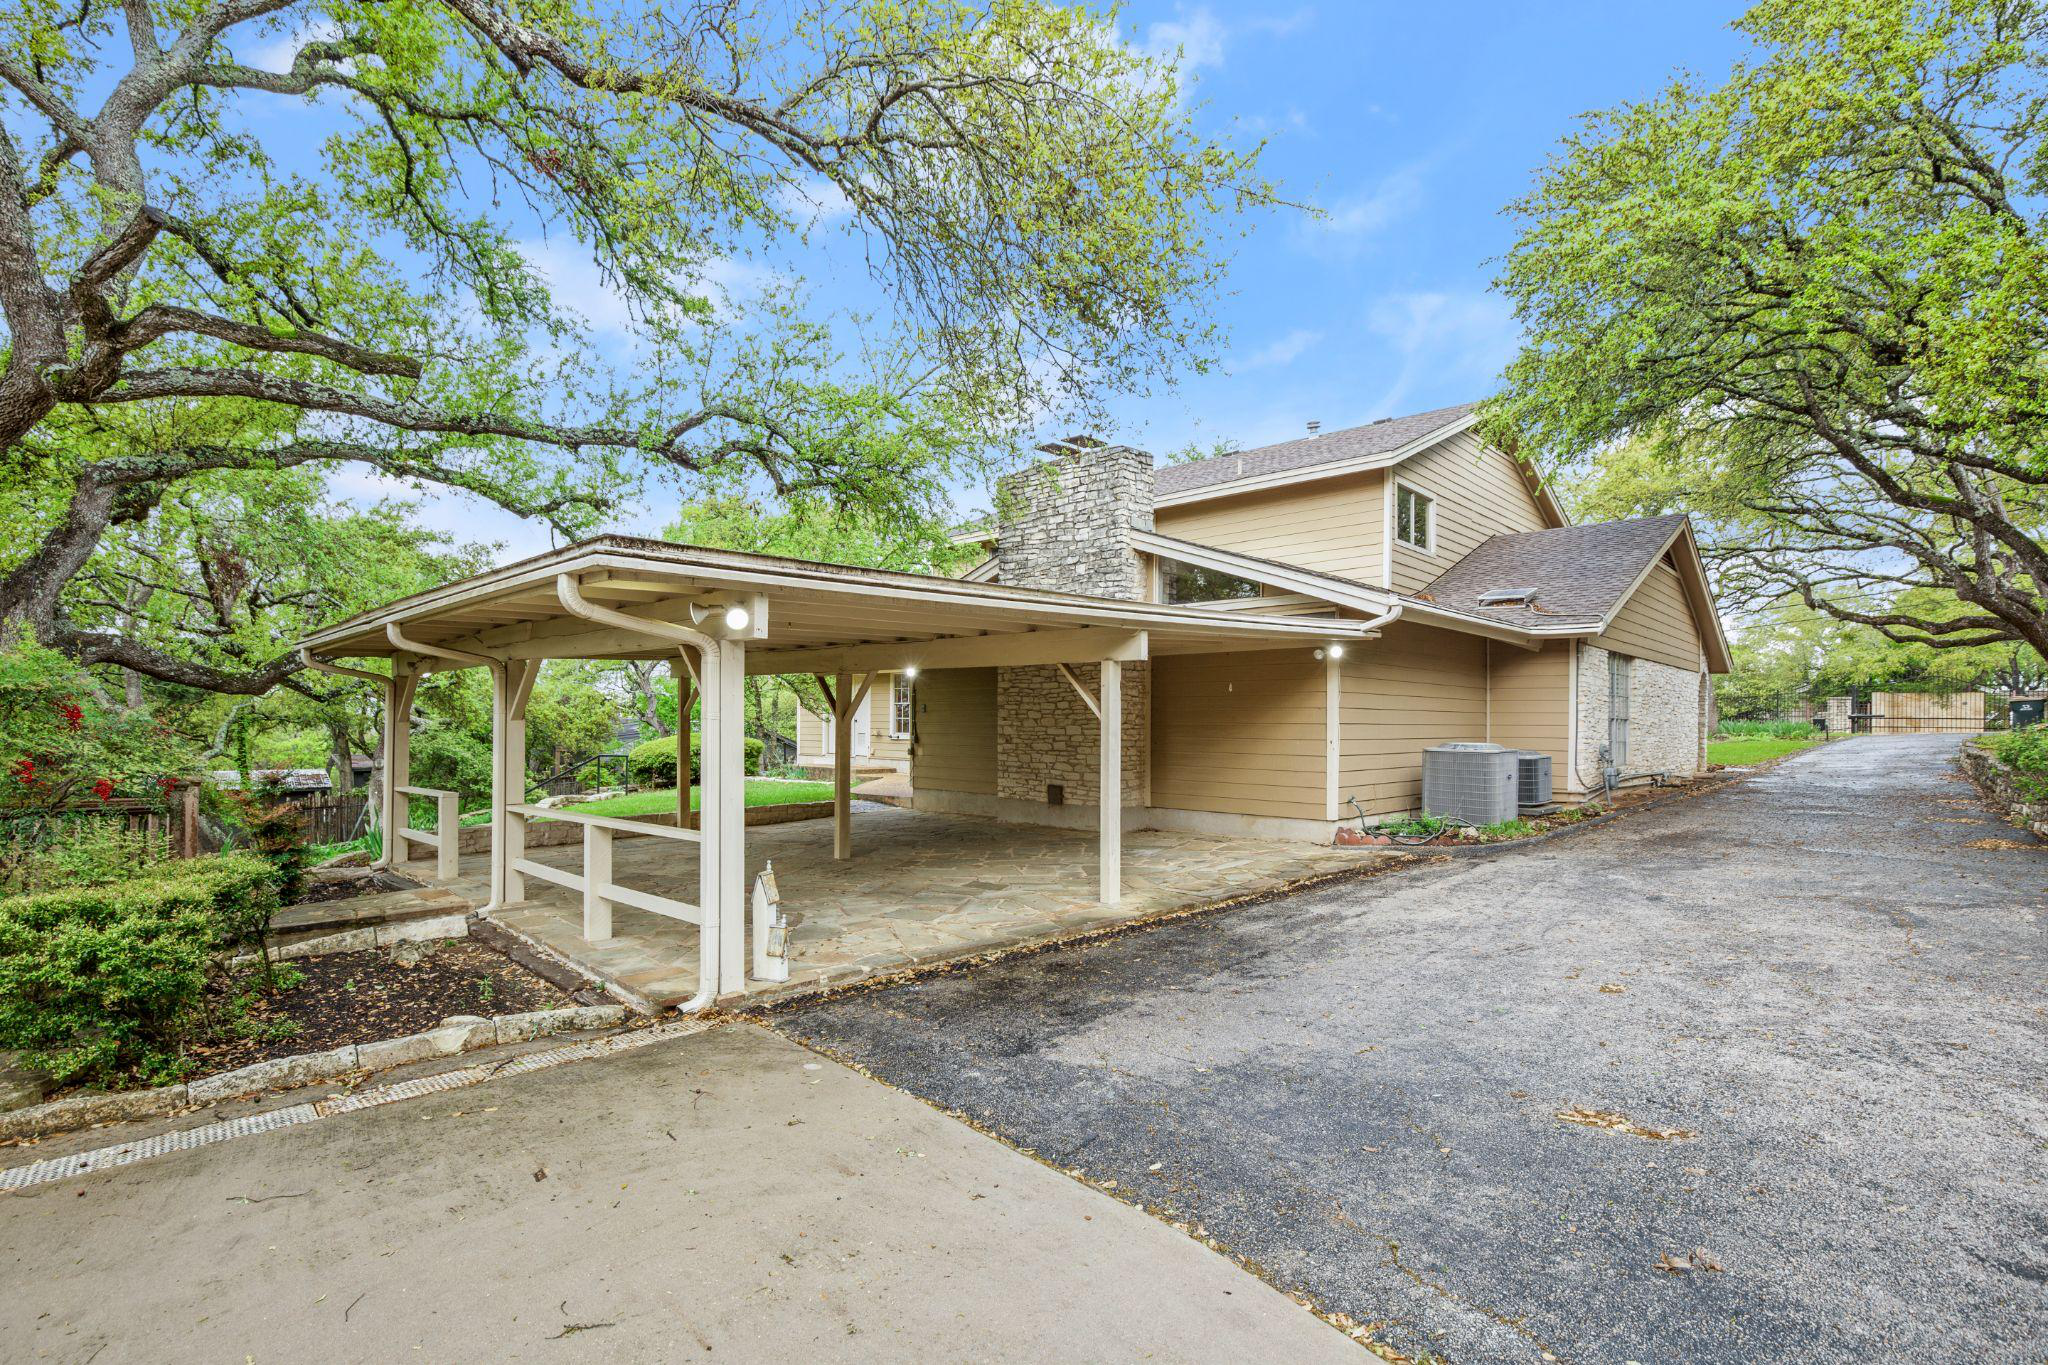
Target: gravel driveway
1810 974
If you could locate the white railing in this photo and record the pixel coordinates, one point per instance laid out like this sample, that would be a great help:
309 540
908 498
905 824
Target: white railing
445 838
594 883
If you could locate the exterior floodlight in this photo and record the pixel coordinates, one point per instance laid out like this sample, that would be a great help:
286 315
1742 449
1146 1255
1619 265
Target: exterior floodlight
1336 651
736 618
910 670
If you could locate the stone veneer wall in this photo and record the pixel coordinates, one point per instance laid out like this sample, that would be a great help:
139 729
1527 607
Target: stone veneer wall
1065 524
1046 734
1667 718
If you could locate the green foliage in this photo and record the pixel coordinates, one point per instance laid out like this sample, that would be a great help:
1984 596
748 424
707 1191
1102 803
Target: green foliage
653 761
2026 753
453 759
1418 827
276 830
60 742
88 851
1808 304
102 983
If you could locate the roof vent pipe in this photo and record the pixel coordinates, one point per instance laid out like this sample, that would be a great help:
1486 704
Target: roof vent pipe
1314 430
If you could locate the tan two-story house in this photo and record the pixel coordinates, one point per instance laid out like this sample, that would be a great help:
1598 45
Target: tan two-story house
1496 621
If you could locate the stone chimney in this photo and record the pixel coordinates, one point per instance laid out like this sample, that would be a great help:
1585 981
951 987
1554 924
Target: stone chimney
1066 521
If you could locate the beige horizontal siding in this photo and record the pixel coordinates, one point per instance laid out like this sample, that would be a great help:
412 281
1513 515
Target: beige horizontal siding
1657 623
1332 526
1239 733
1530 702
1479 493
810 728
956 731
1413 687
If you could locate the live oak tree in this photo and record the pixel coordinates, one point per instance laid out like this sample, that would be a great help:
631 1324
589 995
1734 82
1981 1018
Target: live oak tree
187 288
1811 305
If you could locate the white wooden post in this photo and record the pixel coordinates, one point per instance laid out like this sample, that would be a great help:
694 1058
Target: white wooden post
508 783
685 697
448 824
1110 803
597 874
730 826
397 756
842 765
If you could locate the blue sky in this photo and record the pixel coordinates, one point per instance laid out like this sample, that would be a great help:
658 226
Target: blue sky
1411 126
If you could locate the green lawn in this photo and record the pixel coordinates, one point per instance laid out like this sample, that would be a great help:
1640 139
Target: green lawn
761 791
1740 753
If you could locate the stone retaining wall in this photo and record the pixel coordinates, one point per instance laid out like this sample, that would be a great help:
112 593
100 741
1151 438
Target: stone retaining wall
1995 780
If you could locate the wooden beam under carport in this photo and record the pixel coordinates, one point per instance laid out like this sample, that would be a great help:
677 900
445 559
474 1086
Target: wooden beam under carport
1087 644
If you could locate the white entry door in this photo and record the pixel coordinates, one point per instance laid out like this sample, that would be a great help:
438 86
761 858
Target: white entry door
861 733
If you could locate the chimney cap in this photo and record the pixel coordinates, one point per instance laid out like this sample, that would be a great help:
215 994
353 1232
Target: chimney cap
1314 428
1073 445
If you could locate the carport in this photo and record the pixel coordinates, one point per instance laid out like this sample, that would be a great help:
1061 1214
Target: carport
718 616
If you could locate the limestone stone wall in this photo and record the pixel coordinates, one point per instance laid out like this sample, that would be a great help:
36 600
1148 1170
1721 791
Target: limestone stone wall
1065 523
1046 734
1667 718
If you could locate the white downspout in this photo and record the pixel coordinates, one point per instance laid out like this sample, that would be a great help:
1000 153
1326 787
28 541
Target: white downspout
570 593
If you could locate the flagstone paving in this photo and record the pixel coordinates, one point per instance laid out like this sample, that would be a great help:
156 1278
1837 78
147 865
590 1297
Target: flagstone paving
919 887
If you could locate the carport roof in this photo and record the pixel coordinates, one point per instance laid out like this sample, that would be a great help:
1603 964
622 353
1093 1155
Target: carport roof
808 616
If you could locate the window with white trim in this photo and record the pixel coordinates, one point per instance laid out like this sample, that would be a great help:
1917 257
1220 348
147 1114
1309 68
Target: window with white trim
1414 518
899 708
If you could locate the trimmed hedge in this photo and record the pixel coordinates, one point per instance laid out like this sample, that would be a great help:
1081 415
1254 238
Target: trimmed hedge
654 761
101 983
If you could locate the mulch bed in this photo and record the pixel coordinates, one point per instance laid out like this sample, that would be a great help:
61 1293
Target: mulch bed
366 996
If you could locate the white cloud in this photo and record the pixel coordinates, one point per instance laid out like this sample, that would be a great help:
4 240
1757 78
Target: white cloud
277 52
1458 340
1283 351
1199 38
1393 197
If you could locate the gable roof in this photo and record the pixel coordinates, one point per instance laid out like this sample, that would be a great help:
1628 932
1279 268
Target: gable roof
1578 574
1371 446
1578 577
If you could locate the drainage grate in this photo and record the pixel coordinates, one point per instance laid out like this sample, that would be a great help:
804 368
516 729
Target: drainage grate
207 1134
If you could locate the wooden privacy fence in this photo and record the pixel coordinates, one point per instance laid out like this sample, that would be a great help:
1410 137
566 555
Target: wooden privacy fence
334 819
1924 713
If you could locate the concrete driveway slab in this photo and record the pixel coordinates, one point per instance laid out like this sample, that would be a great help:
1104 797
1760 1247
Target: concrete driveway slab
726 1197
1797 1029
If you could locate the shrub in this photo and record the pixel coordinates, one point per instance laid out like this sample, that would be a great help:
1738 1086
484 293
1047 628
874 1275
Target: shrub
277 834
2026 753
90 851
654 761
102 983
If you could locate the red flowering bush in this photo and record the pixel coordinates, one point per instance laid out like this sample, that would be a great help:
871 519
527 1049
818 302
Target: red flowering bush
59 744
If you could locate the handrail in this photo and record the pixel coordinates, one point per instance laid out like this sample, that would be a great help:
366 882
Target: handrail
617 823
446 836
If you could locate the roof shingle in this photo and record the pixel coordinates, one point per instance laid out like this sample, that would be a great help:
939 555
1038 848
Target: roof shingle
1352 443
1577 573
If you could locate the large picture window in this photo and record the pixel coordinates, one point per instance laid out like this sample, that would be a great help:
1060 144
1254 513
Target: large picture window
1414 518
1184 583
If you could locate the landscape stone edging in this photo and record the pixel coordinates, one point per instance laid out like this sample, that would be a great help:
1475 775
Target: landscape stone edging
456 1034
452 925
1994 779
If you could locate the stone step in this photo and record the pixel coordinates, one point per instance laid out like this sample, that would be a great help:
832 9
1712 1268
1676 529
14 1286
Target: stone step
366 912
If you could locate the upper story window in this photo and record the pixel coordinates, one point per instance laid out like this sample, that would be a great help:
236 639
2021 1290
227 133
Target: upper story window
899 708
1184 583
1414 518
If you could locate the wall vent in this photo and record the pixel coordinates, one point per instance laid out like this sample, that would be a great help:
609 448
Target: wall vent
1055 794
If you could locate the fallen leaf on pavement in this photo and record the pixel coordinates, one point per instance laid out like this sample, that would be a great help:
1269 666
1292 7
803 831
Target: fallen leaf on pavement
1697 1259
1620 1123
